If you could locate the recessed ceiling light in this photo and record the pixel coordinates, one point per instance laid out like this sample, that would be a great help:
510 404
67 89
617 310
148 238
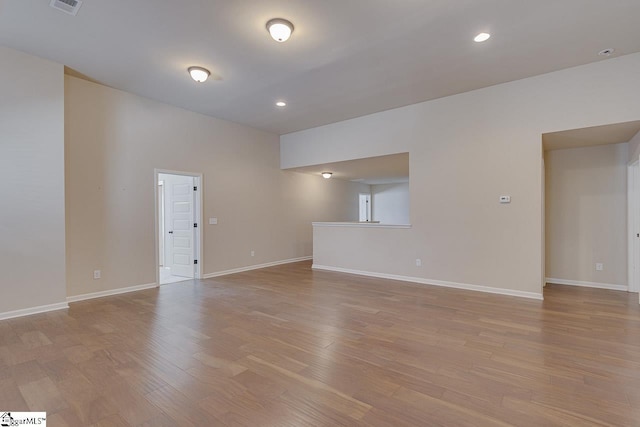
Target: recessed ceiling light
281 104
606 52
326 175
280 29
199 74
482 37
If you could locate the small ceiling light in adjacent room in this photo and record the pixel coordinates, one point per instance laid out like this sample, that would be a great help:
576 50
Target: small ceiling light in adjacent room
326 175
281 104
199 74
280 29
482 37
606 52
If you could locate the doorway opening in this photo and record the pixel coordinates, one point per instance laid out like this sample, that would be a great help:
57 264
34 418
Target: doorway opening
592 207
178 228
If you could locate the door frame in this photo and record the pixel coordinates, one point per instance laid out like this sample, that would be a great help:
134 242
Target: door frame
633 225
198 210
161 230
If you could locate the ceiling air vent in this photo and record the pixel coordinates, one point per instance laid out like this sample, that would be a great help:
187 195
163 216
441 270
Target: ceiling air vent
67 6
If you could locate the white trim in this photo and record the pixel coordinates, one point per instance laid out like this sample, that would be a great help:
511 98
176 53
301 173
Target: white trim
465 286
359 224
633 214
33 310
76 298
256 267
587 284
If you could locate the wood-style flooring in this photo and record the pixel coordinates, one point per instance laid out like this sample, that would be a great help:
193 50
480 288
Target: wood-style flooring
287 346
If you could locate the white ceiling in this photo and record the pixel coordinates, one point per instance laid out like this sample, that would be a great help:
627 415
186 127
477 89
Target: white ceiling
587 137
390 169
345 58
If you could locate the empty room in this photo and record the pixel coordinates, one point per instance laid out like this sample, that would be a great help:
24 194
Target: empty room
319 213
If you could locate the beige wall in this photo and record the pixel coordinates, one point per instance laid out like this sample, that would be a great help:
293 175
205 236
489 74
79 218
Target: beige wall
32 265
634 148
465 151
586 214
114 140
390 203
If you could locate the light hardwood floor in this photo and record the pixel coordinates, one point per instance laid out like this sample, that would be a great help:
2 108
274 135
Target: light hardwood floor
286 346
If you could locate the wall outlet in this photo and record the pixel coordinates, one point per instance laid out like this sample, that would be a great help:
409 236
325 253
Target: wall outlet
418 262
599 266
96 274
253 253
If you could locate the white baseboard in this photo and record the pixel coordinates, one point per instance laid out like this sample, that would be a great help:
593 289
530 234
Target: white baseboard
76 298
465 286
255 267
33 310
587 284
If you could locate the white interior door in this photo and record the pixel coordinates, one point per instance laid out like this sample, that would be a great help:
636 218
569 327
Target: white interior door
365 207
179 225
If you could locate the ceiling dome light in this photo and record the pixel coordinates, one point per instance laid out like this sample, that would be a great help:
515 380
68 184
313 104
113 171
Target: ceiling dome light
281 104
199 74
326 175
280 29
482 37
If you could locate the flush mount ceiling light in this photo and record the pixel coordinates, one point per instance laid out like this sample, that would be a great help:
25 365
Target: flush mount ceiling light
482 37
281 104
326 175
280 29
199 74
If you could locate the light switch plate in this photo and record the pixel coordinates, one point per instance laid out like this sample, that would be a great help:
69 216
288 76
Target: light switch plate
213 221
